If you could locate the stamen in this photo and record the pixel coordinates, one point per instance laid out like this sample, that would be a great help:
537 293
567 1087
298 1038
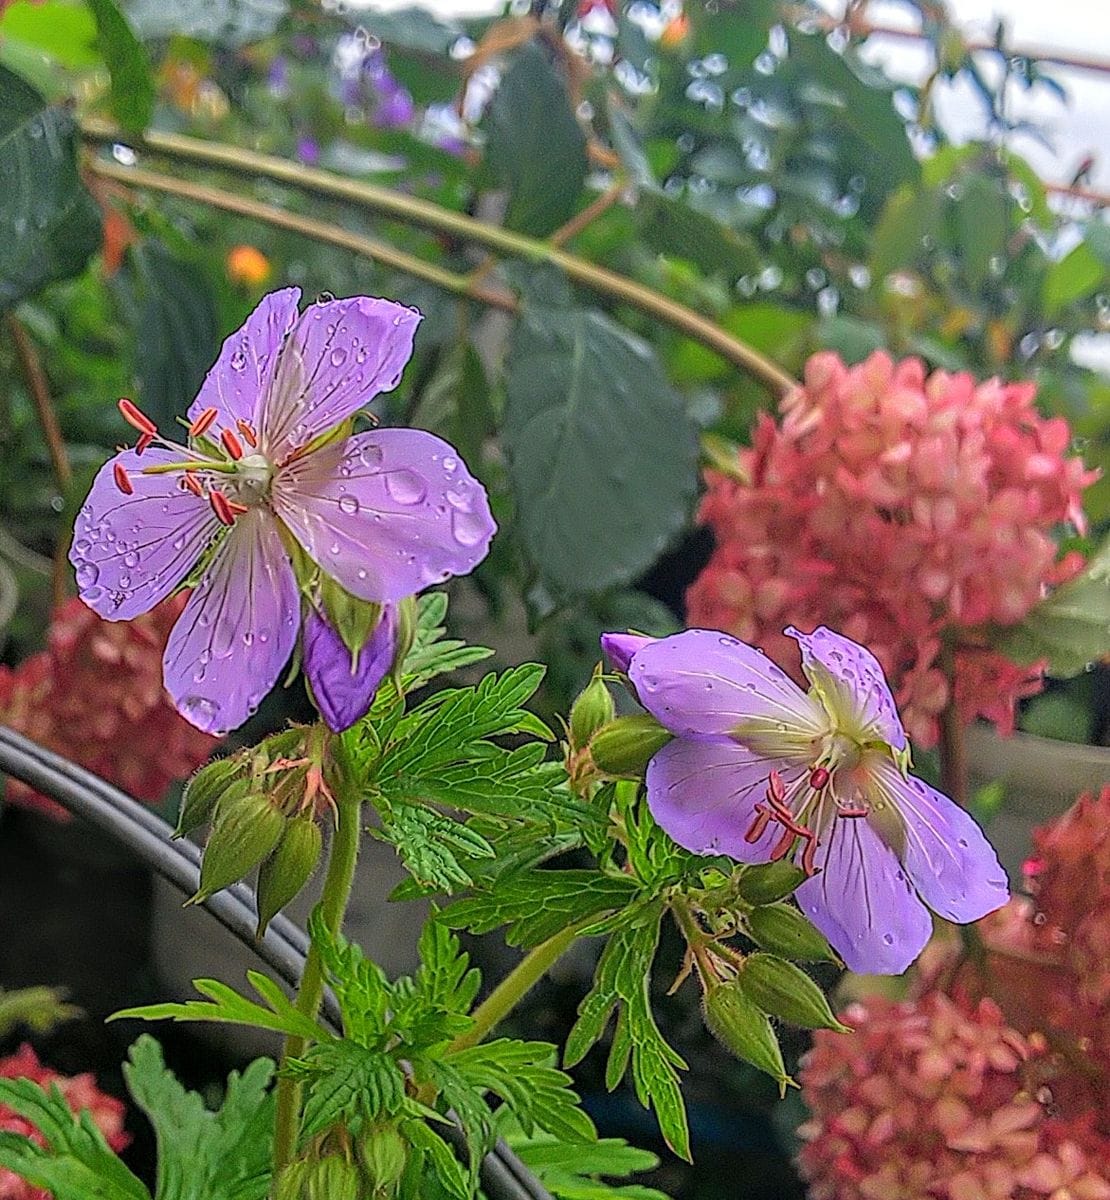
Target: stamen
818 777
221 506
775 790
759 826
135 418
192 483
809 855
123 480
232 444
237 508
203 422
249 436
144 442
782 846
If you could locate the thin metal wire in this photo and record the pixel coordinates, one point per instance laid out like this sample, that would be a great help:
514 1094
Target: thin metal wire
283 949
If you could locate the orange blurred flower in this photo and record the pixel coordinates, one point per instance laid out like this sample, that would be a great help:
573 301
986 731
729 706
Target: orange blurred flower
247 266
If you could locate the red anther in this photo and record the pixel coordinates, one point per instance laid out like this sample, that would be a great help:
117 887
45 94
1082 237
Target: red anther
232 445
809 854
237 508
203 423
782 846
123 480
759 825
192 483
144 442
249 436
135 418
221 506
775 790
818 777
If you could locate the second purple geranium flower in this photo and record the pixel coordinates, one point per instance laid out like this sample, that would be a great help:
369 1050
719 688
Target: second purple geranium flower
759 770
267 468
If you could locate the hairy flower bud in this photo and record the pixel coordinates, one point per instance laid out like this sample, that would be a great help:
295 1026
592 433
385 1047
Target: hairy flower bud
203 792
624 747
592 709
282 876
781 989
384 1154
768 882
244 834
782 929
740 1026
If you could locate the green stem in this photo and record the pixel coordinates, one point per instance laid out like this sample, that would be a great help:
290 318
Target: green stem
333 906
515 986
412 210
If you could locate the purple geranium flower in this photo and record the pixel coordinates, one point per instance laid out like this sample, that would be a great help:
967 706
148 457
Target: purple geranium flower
343 685
267 467
759 769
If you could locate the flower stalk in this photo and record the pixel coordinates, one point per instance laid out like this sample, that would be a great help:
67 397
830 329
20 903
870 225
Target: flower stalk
340 875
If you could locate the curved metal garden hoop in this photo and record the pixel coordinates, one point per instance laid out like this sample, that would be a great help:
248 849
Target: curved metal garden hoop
283 949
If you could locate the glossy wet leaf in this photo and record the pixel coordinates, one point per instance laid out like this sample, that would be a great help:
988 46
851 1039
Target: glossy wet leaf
49 224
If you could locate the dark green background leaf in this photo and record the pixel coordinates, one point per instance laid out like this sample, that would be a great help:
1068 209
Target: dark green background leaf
132 85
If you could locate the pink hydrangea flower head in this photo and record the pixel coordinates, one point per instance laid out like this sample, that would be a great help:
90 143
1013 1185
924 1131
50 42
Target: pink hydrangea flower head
759 770
81 1094
897 507
268 464
926 1099
84 696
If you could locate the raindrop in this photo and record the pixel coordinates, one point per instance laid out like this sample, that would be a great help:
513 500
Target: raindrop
338 356
370 455
468 528
348 505
450 465
125 581
200 710
179 543
333 549
87 574
888 939
82 546
405 486
238 360
131 559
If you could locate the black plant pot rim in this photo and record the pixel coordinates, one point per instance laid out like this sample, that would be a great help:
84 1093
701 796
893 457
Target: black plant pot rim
284 946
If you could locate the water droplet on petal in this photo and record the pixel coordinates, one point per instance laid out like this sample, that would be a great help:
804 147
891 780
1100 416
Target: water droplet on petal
468 528
125 581
87 574
348 505
888 939
370 455
179 543
450 465
405 486
131 558
338 356
238 360
200 710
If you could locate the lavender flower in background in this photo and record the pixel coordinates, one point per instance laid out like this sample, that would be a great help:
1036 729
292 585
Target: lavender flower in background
308 151
759 770
384 513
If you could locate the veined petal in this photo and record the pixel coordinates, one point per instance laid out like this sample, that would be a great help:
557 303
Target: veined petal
619 648
386 513
946 855
237 630
706 684
704 793
246 363
863 902
342 694
130 551
852 686
340 355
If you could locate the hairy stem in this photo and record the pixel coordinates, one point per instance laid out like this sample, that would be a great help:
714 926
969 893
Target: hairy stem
412 210
333 906
320 231
515 986
35 378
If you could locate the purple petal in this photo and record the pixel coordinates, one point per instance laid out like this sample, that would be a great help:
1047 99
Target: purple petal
849 680
620 647
704 793
862 901
950 862
343 695
237 630
704 684
340 355
386 513
246 363
131 551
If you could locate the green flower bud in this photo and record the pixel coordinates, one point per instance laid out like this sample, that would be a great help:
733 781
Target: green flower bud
289 868
353 619
591 710
384 1155
407 613
244 834
782 929
334 1178
738 1024
784 990
293 1180
203 791
769 882
624 746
